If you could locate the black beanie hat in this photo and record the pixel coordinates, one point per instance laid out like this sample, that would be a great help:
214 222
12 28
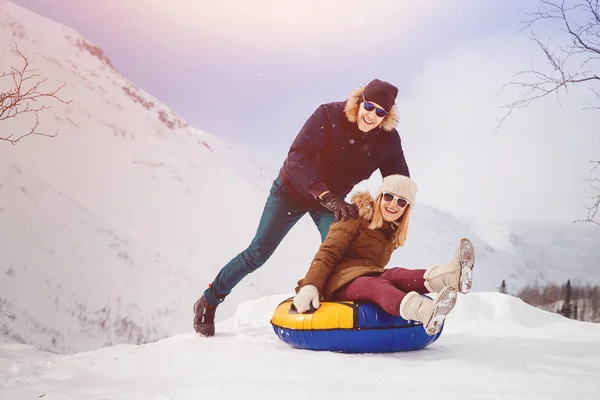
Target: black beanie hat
382 93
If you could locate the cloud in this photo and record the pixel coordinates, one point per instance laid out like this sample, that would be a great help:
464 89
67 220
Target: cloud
305 29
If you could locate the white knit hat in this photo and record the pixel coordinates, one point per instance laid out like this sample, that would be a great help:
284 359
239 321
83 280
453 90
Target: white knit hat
399 185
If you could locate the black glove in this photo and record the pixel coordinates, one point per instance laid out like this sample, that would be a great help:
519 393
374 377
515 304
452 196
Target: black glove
339 207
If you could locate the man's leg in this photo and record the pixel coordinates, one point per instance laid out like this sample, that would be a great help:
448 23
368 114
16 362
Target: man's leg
280 214
323 219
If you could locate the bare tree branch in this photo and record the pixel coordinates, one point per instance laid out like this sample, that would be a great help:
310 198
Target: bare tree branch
580 20
3 313
593 209
24 97
576 63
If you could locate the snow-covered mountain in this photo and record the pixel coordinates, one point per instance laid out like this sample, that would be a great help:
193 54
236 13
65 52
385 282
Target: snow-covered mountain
113 228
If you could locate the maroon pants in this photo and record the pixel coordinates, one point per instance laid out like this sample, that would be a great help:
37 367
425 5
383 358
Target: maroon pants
386 290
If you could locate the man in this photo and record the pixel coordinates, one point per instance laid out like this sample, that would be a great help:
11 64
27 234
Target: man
339 146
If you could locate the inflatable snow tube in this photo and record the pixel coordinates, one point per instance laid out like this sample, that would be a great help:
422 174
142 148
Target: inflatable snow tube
348 327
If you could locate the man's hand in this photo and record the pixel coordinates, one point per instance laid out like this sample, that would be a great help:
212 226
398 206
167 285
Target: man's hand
306 296
339 207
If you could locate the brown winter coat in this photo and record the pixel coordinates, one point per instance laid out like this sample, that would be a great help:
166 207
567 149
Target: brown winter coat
350 250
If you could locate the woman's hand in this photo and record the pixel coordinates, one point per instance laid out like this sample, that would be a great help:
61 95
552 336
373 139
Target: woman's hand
306 296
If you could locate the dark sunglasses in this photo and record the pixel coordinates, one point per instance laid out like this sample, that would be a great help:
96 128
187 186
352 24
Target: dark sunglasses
380 112
388 198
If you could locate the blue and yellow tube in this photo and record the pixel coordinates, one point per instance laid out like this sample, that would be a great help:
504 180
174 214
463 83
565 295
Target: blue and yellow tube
348 327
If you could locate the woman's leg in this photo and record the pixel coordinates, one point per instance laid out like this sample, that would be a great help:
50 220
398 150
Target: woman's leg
407 280
375 289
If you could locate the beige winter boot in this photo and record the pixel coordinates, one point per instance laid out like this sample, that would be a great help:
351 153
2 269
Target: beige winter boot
431 313
458 274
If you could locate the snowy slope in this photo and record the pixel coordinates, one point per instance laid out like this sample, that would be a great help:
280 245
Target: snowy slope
493 347
117 216
559 251
112 229
563 248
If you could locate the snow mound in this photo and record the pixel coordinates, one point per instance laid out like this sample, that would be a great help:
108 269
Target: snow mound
476 314
246 360
253 314
497 314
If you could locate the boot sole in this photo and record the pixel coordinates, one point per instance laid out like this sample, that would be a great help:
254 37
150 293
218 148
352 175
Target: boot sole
444 303
205 332
467 263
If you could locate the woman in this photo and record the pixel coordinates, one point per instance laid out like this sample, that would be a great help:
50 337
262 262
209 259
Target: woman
350 262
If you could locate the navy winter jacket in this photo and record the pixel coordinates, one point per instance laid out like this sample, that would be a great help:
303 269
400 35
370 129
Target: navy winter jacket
331 153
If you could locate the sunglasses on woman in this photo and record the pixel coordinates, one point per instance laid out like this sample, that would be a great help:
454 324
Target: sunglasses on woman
388 198
380 112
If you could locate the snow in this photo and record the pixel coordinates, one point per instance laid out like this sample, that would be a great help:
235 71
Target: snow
111 230
494 346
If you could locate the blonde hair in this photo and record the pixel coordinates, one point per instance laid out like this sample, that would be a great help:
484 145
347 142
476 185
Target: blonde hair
401 226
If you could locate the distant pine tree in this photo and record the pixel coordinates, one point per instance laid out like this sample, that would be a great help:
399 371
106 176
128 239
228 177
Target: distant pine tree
502 288
567 307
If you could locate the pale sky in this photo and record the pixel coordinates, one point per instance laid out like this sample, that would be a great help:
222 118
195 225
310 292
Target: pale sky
253 74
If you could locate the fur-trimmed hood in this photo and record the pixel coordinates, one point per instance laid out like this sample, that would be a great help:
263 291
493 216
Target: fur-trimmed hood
351 110
365 203
350 250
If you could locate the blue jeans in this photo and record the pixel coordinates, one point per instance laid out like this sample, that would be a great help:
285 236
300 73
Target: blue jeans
280 214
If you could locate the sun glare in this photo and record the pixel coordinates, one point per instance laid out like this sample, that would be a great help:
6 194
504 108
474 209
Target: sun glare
273 23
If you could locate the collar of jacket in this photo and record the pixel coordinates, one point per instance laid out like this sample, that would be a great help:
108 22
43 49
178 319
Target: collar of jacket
357 133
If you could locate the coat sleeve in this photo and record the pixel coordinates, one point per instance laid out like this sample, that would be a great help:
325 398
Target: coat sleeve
331 250
396 163
302 156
